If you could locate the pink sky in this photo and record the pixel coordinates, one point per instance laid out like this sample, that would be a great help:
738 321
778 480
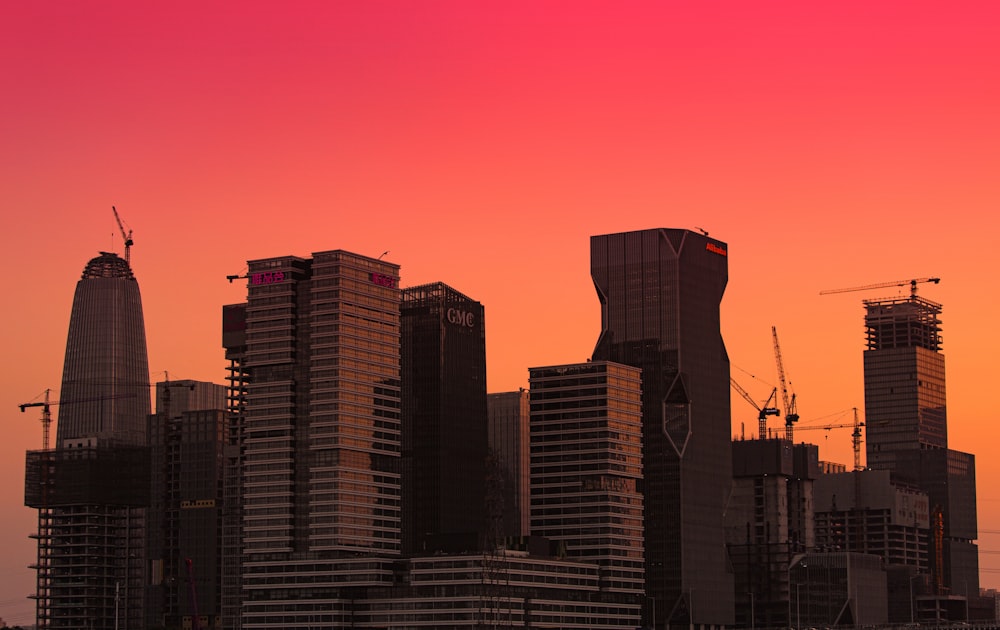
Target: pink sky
482 144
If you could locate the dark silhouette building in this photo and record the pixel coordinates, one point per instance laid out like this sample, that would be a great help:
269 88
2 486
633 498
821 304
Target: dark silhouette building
444 437
660 292
907 432
508 415
92 488
186 442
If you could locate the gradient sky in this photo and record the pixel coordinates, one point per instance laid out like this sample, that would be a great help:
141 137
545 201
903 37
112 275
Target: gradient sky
481 143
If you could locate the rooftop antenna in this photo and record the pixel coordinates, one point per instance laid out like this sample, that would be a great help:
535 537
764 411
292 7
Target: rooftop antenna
702 230
126 237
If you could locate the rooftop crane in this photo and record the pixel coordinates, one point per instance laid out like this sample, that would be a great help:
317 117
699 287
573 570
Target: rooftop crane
855 435
791 412
126 237
882 285
47 414
763 412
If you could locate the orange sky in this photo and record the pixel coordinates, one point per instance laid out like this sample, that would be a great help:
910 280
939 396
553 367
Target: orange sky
482 144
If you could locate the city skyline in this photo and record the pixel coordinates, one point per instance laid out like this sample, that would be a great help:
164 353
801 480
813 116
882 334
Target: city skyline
829 147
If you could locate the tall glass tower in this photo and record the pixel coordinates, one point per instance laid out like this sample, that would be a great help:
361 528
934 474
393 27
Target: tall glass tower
660 291
92 489
105 383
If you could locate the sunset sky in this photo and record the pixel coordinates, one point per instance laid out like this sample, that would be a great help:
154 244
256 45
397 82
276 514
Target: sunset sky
481 143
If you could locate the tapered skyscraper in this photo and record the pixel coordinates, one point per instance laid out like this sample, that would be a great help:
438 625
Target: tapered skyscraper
660 292
105 384
91 490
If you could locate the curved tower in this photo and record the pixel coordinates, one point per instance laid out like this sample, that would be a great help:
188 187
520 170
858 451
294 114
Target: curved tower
105 383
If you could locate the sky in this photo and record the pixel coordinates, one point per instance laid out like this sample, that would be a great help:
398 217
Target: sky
831 145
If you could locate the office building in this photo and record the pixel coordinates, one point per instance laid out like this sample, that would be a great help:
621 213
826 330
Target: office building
660 292
320 434
837 589
586 464
443 427
508 415
234 340
91 490
907 431
186 442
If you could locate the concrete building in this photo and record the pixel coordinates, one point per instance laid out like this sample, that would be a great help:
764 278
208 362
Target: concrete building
769 521
907 431
660 292
586 466
320 434
187 437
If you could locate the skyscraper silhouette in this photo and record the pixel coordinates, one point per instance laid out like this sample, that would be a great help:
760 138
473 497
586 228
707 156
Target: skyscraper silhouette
92 488
105 384
660 292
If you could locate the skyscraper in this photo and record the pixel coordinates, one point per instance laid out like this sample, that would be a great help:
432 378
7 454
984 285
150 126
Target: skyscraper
105 383
92 488
586 463
508 414
444 438
320 436
660 292
906 429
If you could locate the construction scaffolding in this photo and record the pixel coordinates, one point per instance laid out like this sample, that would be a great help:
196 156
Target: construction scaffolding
902 323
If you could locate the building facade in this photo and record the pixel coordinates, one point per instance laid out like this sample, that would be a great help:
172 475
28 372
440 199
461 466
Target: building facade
320 433
187 437
92 489
586 466
907 432
508 415
444 429
660 292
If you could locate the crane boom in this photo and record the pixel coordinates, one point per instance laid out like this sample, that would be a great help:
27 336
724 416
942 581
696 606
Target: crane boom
47 413
791 412
882 285
125 237
763 412
855 435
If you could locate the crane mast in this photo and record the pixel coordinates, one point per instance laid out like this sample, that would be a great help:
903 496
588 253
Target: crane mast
762 412
791 412
855 435
125 237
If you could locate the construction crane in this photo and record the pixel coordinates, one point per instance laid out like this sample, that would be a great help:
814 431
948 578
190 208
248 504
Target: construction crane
126 237
882 285
855 435
47 413
791 411
762 412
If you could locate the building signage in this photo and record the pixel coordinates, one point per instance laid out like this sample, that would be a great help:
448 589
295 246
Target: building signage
715 249
461 318
267 277
384 280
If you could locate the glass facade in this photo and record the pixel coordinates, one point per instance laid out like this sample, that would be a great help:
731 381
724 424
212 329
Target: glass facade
444 438
660 292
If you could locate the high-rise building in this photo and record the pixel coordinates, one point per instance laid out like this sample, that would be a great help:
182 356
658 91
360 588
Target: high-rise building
660 292
92 488
444 438
586 464
768 521
508 415
187 437
320 435
906 428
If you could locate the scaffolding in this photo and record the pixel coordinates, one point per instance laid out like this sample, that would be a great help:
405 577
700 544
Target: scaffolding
902 323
